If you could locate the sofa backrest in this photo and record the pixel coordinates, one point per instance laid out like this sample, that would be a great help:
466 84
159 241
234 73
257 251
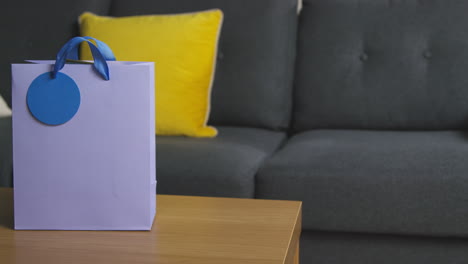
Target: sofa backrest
254 74
382 64
36 30
253 82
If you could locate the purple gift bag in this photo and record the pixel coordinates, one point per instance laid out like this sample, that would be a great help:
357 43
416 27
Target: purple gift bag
86 161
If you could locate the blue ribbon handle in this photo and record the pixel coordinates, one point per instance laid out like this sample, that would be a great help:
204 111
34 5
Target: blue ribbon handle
103 48
101 53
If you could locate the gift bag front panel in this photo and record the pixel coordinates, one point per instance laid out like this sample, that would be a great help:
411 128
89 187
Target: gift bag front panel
95 171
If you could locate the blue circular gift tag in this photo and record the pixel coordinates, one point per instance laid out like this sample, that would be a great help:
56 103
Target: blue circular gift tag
53 101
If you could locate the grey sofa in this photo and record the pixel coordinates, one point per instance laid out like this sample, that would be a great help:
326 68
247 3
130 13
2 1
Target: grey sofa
358 108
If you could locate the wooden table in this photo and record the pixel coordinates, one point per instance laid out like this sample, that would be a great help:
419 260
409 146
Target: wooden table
186 230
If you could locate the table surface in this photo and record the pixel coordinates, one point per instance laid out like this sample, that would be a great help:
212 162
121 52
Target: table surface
187 229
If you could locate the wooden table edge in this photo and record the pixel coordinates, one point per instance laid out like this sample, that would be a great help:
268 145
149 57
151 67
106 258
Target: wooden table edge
292 256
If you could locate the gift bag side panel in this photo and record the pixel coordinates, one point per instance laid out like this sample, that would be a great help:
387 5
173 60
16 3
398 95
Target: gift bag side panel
152 146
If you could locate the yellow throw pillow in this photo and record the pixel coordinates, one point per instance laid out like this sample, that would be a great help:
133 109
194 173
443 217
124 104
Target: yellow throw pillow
183 47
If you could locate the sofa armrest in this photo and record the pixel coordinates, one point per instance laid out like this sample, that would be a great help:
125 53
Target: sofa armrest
6 153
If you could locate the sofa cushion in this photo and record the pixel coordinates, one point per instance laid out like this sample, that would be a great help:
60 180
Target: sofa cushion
221 166
253 82
184 49
6 152
380 64
36 30
368 181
